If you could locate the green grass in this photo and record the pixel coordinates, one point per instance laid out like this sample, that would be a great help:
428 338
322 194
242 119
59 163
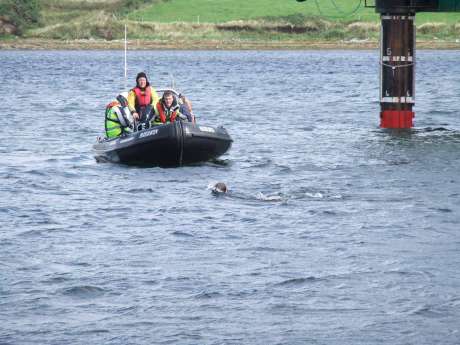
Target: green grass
217 11
448 18
226 20
58 11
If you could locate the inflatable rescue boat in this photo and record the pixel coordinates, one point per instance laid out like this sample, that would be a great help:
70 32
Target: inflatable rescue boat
169 145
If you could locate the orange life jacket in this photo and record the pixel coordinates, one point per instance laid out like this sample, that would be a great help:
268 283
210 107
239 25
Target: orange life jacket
112 104
161 112
143 100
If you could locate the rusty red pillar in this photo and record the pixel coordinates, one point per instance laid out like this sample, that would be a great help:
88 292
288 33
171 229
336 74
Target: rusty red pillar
397 73
397 59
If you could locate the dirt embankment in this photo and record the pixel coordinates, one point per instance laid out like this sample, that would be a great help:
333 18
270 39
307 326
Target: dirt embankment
92 44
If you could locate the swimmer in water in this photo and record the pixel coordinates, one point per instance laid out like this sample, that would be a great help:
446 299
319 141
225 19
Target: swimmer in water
219 188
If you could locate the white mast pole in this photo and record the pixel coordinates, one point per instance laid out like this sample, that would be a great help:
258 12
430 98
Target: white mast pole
126 62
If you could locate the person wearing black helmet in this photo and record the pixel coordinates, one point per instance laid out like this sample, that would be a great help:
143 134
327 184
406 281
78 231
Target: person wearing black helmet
142 98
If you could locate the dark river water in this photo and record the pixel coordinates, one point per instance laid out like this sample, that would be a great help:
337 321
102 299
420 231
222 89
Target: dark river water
334 231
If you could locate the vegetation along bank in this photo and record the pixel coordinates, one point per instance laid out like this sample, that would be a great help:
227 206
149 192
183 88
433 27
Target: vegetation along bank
192 24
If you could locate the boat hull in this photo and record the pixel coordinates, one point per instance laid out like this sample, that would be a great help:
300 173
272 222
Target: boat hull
169 145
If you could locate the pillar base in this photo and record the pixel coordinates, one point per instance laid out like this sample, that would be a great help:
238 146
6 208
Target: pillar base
397 119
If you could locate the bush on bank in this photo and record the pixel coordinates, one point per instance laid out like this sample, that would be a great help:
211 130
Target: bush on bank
16 16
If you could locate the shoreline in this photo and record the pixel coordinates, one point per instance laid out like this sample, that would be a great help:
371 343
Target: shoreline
137 44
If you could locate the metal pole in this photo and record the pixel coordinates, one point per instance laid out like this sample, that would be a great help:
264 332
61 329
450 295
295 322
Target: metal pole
126 57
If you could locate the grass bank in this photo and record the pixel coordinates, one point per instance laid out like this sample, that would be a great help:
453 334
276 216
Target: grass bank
223 24
229 10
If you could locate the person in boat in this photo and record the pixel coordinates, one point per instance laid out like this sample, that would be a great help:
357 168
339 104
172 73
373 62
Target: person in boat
186 108
167 110
118 118
142 99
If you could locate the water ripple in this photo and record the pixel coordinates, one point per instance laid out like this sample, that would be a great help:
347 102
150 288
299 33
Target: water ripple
298 281
84 291
332 231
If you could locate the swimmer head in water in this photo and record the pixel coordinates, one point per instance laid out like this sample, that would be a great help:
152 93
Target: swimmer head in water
219 188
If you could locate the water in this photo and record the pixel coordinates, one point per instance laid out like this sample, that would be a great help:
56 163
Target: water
333 232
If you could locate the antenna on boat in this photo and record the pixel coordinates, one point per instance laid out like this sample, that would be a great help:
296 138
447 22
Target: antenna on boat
173 82
126 57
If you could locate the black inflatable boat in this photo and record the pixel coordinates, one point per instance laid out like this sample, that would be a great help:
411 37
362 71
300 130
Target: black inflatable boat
170 145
